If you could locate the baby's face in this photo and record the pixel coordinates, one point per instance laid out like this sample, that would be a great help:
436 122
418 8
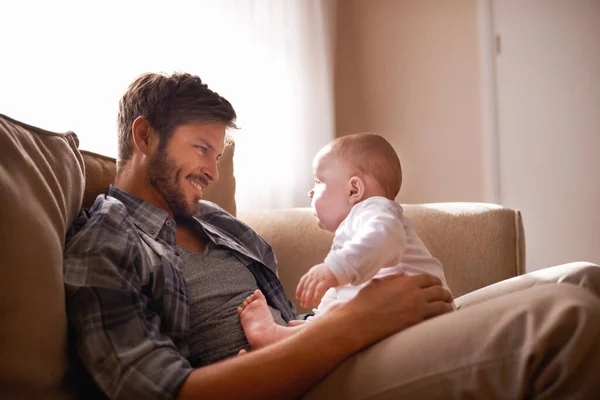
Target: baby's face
330 196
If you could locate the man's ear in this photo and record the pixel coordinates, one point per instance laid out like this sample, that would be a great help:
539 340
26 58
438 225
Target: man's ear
144 137
357 190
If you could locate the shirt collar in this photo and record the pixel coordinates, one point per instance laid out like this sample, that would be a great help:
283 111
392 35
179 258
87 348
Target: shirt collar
145 216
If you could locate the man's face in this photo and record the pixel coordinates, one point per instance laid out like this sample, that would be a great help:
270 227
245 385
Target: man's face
181 171
331 192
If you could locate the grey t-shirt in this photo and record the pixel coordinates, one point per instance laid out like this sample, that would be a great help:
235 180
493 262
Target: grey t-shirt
217 284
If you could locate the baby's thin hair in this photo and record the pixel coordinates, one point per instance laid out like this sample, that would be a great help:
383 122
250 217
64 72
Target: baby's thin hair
370 154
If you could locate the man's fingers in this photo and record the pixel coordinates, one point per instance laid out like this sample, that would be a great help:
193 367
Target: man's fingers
437 293
426 280
436 308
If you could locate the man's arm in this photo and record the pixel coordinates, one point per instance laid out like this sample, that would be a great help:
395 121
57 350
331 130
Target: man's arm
290 367
119 338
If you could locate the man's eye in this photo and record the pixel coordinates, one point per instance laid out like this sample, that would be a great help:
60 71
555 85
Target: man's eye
202 149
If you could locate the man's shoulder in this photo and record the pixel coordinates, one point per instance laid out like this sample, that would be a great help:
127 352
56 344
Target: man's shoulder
105 222
109 208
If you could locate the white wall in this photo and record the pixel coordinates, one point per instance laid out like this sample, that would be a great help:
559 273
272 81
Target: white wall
548 75
409 71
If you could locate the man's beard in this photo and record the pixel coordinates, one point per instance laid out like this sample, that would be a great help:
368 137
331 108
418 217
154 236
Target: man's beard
164 178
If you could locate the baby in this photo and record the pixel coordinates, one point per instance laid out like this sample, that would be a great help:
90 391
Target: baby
357 177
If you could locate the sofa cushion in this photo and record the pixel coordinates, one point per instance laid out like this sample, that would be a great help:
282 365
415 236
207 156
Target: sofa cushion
100 173
41 187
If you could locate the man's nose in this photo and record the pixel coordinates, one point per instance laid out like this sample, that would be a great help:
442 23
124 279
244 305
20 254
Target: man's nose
212 171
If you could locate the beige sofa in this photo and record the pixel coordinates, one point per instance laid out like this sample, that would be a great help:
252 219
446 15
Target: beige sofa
45 179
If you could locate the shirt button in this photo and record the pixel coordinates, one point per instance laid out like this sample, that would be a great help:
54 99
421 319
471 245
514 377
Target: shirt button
168 223
153 231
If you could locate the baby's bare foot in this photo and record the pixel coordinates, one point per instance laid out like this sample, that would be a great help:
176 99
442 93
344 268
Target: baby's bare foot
257 321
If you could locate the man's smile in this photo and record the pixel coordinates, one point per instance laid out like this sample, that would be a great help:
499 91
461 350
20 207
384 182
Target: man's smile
198 184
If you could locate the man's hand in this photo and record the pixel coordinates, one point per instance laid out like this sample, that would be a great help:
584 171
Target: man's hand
314 284
395 302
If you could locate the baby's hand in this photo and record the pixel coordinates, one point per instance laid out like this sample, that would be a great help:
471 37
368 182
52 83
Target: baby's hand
314 284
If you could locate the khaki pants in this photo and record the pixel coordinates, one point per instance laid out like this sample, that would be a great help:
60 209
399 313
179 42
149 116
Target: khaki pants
524 338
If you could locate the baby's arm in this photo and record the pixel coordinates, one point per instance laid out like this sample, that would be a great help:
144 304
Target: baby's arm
379 241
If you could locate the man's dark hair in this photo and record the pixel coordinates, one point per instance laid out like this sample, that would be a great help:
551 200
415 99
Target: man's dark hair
168 101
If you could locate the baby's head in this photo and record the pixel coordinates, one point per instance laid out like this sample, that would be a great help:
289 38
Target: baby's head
349 170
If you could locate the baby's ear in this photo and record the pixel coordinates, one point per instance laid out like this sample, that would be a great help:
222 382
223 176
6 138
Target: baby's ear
357 190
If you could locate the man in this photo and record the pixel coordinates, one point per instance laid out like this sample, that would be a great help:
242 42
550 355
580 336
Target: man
153 280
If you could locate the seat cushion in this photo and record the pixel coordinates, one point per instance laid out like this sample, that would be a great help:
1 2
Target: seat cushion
41 188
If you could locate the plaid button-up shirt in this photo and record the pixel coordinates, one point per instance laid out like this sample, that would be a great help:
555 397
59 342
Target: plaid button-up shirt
127 303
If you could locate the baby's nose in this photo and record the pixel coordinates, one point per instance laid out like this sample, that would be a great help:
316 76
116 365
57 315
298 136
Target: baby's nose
310 193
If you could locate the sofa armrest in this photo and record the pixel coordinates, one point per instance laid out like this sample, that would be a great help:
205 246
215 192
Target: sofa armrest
478 244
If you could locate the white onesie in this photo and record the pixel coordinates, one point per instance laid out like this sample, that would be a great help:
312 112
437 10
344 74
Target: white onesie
375 240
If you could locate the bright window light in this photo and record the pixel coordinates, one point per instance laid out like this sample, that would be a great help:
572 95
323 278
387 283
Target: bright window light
67 63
